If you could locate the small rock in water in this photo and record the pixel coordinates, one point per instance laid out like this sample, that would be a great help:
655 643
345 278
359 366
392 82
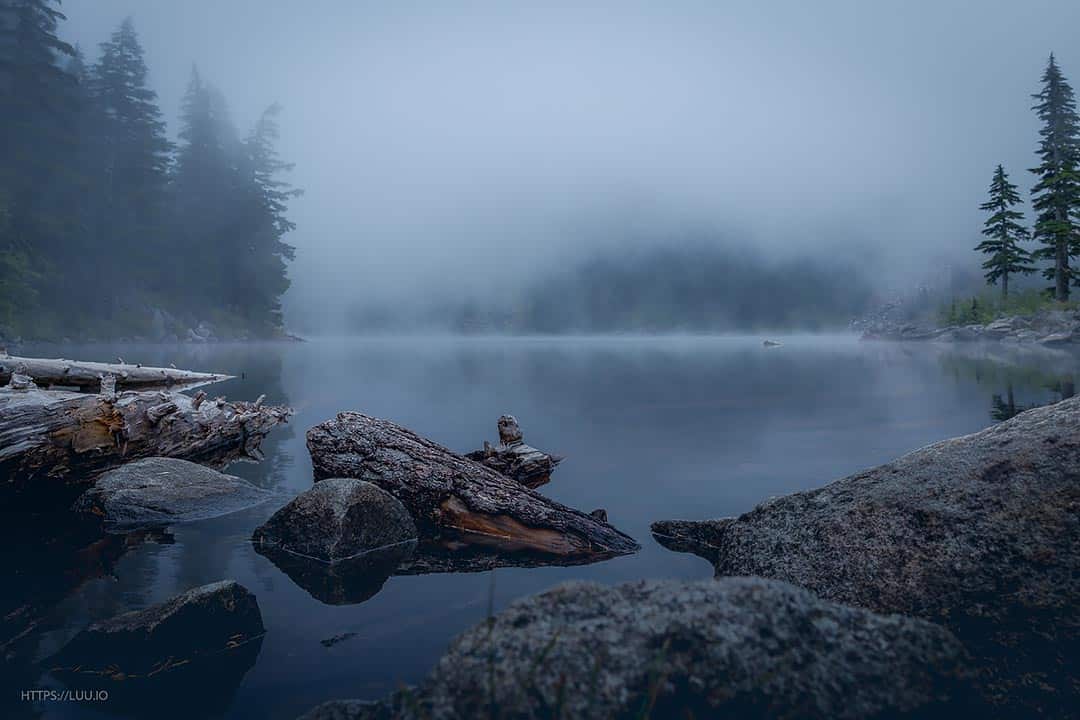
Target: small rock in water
161 490
771 343
338 519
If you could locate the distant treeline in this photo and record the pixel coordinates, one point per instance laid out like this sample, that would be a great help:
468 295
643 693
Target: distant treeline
106 227
696 286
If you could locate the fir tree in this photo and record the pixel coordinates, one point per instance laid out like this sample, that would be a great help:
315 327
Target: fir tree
35 135
1004 233
133 151
266 251
1057 192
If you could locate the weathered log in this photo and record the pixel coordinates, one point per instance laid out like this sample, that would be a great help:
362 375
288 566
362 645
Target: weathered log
514 459
442 489
87 375
58 439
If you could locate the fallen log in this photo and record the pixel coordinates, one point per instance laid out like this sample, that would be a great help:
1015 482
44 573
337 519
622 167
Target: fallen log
444 490
52 440
514 459
87 375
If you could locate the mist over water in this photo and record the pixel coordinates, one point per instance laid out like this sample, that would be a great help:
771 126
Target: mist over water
456 150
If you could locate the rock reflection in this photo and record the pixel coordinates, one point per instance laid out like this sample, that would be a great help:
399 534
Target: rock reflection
358 580
342 583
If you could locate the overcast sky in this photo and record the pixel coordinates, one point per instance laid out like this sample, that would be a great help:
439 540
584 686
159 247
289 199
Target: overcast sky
460 142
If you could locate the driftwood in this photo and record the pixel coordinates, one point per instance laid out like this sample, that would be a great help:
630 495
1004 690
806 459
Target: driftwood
60 439
443 490
88 375
514 459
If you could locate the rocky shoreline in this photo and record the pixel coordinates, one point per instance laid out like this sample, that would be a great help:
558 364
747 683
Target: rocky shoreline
944 582
1049 328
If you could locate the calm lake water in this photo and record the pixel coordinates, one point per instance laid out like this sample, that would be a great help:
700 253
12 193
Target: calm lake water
652 428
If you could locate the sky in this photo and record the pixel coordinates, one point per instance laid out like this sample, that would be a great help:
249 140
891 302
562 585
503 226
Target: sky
460 145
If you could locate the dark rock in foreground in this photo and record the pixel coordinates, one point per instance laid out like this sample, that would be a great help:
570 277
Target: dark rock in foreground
740 647
337 519
978 533
166 490
195 625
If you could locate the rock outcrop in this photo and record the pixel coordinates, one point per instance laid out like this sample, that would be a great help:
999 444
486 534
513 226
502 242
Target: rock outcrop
1052 328
977 533
741 647
338 519
157 491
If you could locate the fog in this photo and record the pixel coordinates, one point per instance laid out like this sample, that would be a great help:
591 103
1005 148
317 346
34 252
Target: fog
453 148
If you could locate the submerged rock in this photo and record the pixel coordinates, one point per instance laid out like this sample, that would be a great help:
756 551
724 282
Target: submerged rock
741 647
338 519
160 490
201 622
978 533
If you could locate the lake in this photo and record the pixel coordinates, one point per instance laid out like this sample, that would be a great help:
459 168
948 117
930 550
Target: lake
652 428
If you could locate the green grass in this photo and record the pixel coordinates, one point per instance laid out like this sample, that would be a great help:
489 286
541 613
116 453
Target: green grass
989 306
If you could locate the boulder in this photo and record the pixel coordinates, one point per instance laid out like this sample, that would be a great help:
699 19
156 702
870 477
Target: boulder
337 519
202 622
977 533
739 647
157 490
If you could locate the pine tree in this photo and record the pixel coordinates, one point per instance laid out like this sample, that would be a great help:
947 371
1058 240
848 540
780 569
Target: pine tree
1057 192
205 187
35 134
1004 233
266 223
134 154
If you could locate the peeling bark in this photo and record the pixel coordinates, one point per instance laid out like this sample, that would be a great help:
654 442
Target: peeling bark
443 490
88 375
514 459
52 440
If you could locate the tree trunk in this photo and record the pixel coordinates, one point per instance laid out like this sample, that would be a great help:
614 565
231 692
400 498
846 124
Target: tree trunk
87 375
1061 264
1004 286
445 490
51 441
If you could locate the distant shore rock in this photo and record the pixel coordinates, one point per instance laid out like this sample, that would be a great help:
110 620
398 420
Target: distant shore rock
1052 328
160 490
741 647
977 533
338 519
